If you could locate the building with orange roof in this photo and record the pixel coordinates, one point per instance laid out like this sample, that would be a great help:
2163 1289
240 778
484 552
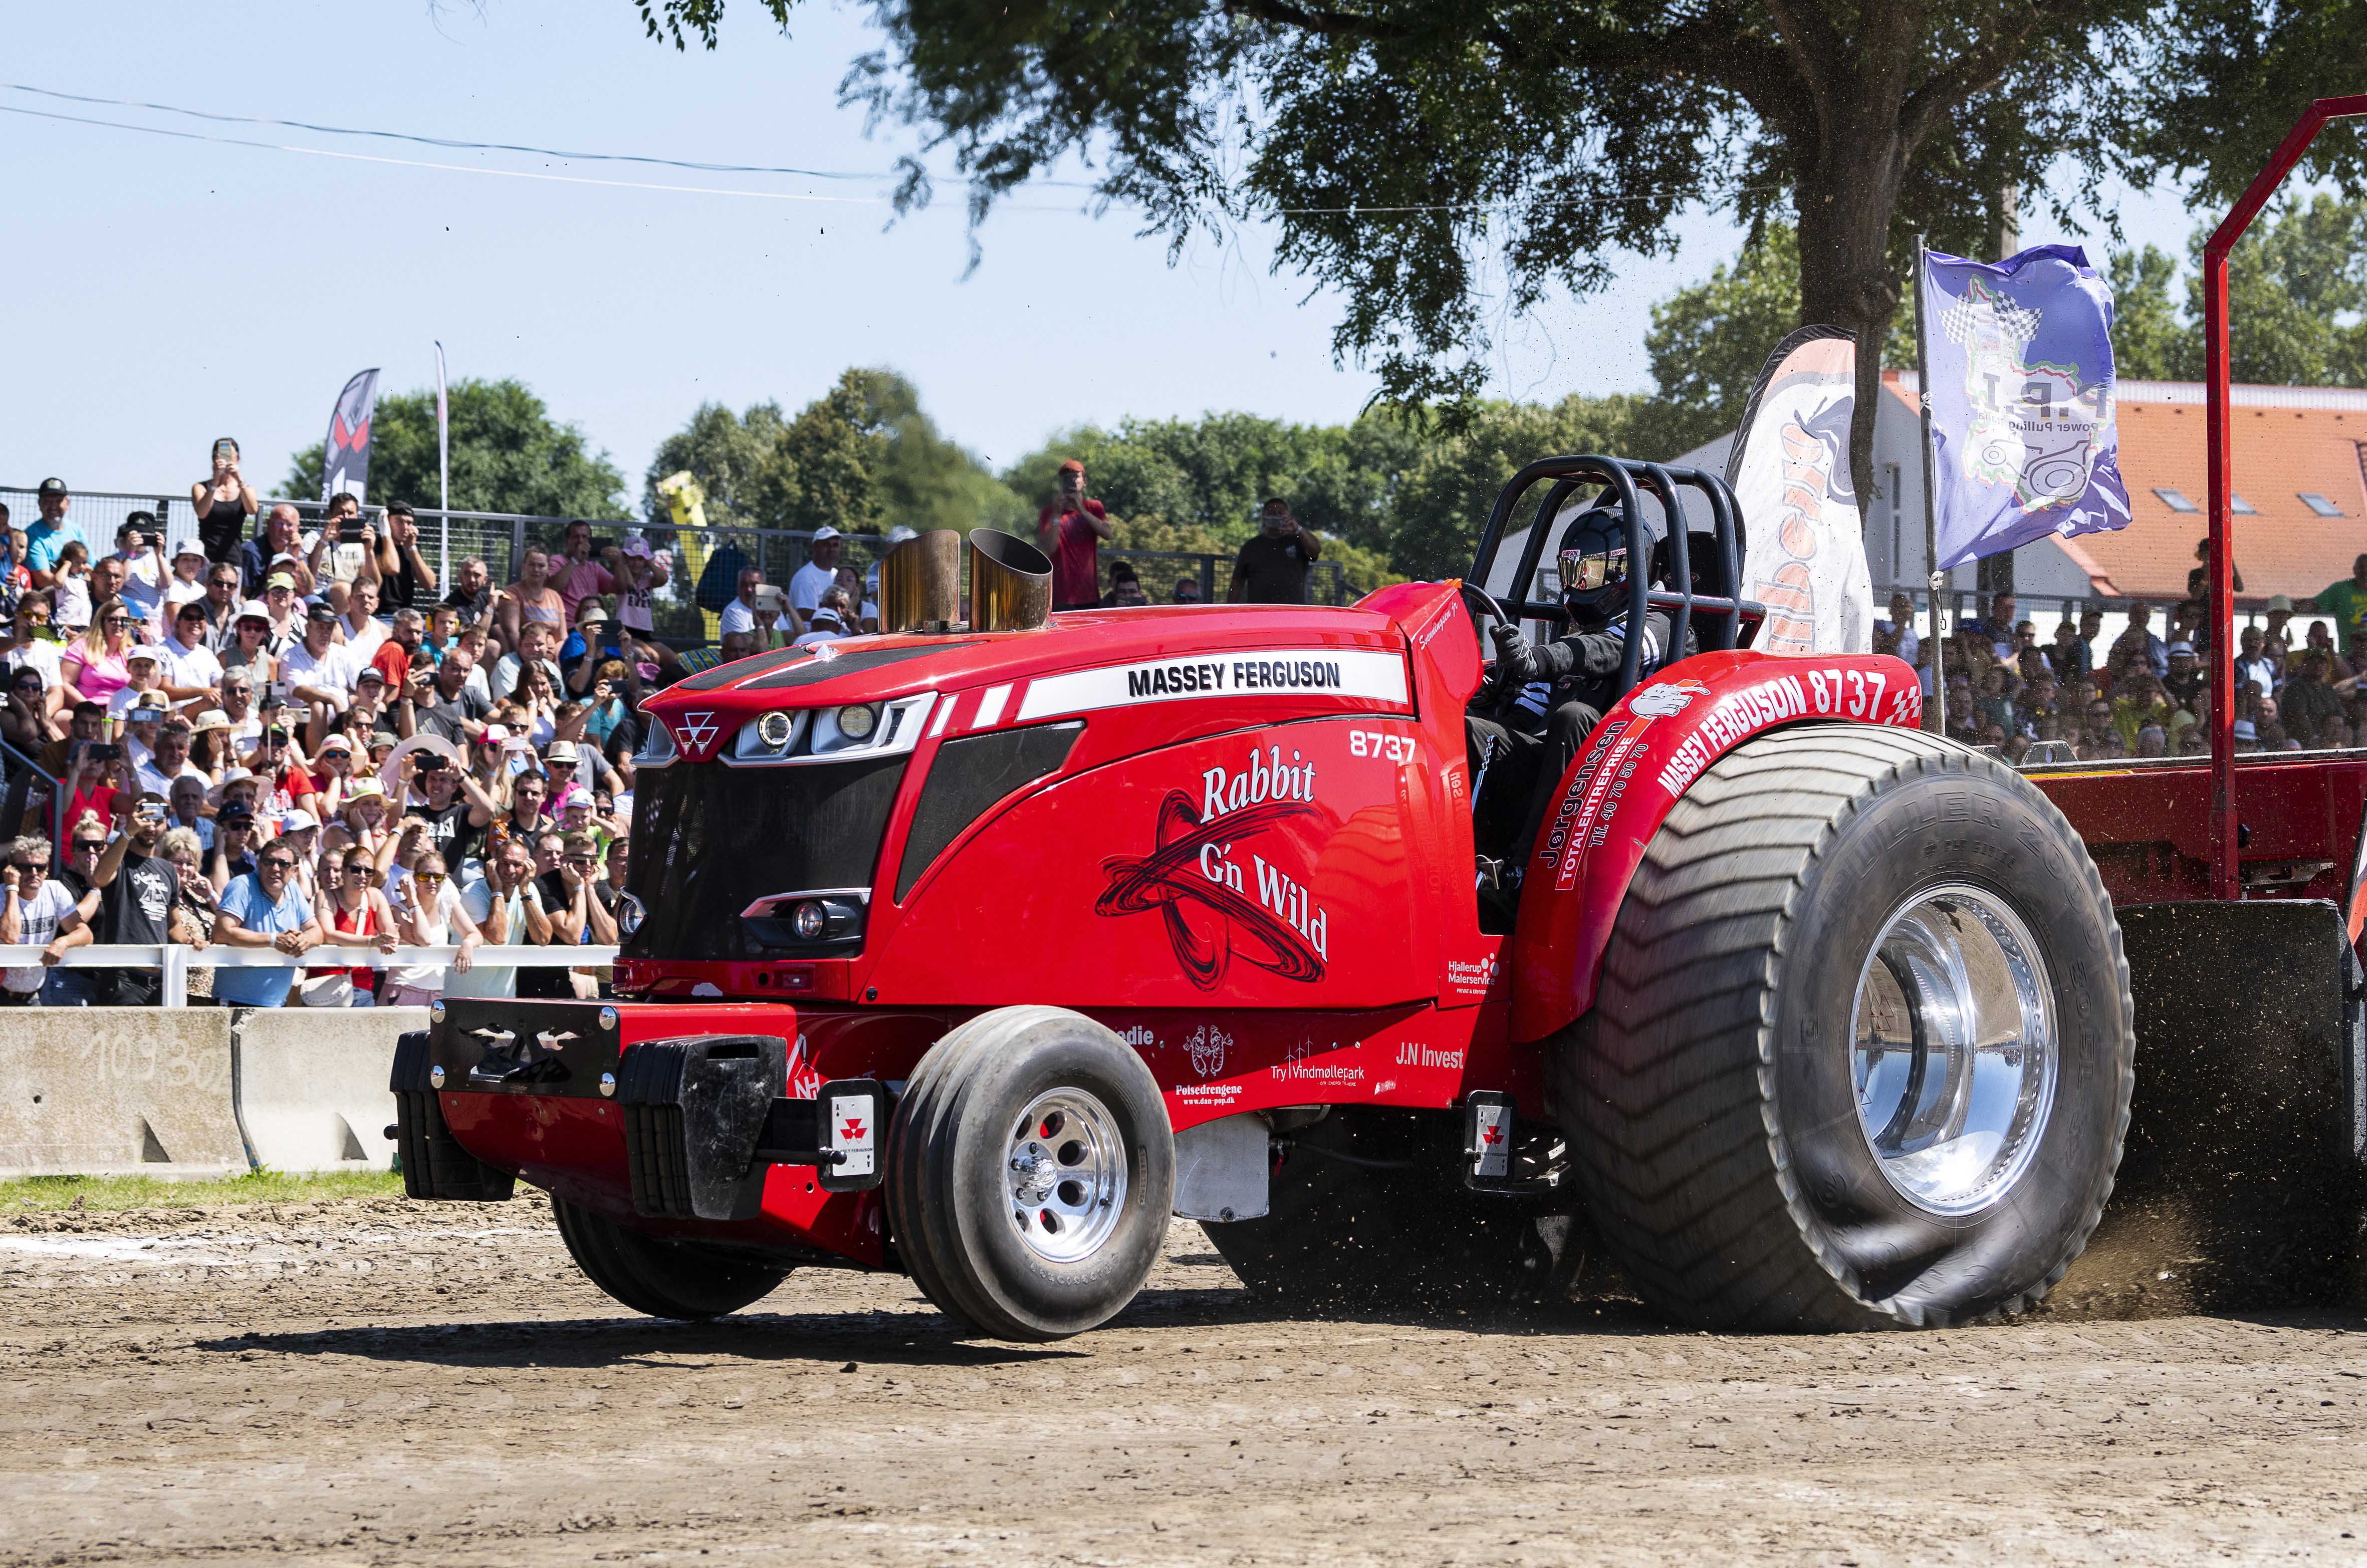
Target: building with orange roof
2300 516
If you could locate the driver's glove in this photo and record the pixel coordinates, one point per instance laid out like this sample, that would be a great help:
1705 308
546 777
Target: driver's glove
1516 656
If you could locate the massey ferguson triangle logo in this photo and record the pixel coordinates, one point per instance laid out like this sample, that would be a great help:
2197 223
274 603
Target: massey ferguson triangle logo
696 731
1192 880
852 1131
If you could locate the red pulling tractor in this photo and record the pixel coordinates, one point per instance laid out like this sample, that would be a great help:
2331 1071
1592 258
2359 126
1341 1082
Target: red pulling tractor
976 950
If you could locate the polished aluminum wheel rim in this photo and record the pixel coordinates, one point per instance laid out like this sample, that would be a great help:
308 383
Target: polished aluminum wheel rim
1953 1050
1066 1176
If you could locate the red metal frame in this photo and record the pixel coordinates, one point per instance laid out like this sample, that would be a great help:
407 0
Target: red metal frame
2225 880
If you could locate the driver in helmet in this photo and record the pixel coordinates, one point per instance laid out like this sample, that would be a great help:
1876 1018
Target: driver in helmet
1580 669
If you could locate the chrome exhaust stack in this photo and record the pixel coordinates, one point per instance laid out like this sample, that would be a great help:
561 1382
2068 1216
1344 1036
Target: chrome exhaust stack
1010 582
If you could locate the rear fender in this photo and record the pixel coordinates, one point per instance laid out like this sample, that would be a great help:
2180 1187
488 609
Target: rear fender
1647 751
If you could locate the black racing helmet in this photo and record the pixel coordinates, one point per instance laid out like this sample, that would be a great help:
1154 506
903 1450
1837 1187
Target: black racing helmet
1593 562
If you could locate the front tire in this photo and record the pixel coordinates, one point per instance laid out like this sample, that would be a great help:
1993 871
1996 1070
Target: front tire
1030 1174
1861 1053
664 1278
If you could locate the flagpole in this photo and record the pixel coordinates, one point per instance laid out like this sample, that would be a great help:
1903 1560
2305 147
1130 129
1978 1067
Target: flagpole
1931 501
443 473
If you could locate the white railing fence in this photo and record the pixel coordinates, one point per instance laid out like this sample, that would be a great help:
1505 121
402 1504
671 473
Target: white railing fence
175 961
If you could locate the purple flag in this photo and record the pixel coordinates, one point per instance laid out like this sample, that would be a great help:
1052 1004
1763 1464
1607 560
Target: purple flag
2020 375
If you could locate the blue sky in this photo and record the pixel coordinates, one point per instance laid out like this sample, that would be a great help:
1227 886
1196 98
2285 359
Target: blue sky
163 292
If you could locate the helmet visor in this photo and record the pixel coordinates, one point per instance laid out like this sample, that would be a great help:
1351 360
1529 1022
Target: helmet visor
1588 571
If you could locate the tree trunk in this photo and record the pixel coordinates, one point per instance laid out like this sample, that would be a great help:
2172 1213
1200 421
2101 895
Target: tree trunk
1845 192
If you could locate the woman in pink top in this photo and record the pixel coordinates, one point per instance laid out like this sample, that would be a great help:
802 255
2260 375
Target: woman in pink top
92 664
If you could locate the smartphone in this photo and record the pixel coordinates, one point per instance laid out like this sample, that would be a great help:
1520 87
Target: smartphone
352 530
275 691
105 751
225 449
428 764
771 598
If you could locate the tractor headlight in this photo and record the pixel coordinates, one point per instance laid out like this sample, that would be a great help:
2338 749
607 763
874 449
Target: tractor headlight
629 914
809 919
857 723
773 729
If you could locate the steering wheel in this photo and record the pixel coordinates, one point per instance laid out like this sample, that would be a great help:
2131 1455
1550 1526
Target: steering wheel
1494 691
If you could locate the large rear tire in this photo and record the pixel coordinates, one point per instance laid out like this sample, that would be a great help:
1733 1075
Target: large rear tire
1368 1211
664 1278
1861 1053
1030 1174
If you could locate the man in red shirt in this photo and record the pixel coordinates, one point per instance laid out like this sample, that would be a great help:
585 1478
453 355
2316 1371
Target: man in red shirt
1070 531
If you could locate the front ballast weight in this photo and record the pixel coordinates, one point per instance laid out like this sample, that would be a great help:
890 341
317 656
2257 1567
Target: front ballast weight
707 1118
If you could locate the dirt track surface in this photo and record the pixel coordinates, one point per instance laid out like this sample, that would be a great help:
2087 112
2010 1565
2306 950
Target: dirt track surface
372 1381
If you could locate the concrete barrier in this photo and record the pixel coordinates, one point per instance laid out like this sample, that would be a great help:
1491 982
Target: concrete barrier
311 1085
104 1091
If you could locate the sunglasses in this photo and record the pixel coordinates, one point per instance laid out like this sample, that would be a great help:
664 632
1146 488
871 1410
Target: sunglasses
36 867
427 878
116 621
277 865
90 846
578 860
354 870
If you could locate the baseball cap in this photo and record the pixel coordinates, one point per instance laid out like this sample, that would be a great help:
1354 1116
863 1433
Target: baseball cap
337 743
297 820
153 654
234 816
1073 466
279 579
2177 648
636 547
285 555
316 611
54 486
2279 602
824 614
496 735
369 673
364 788
824 532
190 610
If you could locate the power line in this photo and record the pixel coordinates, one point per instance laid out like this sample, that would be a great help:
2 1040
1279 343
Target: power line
448 168
456 144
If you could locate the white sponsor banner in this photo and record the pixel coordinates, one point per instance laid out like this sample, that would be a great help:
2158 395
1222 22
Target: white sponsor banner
1265 673
1790 471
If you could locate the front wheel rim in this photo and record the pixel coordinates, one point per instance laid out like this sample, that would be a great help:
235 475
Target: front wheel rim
1954 1049
1065 1175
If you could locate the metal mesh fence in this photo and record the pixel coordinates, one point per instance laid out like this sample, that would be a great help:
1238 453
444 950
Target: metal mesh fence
702 564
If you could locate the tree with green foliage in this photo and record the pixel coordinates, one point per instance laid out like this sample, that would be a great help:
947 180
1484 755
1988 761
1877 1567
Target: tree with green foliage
1436 162
508 455
2149 342
1195 485
862 458
2296 295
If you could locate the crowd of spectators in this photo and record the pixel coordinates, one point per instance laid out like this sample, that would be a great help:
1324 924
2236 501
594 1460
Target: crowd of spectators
277 735
2147 692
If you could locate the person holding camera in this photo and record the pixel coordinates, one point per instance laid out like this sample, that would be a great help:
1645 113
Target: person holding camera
140 549
136 890
403 578
1274 567
1070 532
224 503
